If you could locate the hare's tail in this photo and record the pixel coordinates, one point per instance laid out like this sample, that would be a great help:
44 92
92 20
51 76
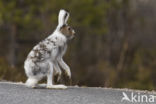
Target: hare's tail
31 82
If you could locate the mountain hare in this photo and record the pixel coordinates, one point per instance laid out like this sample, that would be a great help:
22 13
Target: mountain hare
45 59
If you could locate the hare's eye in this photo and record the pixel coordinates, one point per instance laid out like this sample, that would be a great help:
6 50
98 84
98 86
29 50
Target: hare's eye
69 28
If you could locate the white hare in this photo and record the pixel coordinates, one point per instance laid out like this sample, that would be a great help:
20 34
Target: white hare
46 57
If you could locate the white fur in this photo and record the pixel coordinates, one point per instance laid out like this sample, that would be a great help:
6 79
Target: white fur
61 19
31 82
46 57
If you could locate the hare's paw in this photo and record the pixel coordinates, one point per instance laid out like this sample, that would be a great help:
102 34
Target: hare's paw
68 73
57 87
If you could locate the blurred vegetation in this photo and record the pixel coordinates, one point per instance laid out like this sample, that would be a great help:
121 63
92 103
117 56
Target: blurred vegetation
114 46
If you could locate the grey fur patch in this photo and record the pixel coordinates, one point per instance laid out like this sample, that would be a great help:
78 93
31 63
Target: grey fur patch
51 41
40 52
40 70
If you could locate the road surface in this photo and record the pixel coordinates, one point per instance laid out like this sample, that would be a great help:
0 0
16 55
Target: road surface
17 93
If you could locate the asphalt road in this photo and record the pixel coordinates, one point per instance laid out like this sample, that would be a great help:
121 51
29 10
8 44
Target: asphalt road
12 93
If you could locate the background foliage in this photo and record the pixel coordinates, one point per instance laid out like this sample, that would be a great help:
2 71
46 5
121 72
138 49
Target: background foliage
114 46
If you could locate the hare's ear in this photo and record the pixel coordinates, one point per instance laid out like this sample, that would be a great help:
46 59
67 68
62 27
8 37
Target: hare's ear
66 17
62 18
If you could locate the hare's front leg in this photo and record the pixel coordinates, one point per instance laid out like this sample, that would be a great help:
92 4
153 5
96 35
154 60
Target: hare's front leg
57 71
65 67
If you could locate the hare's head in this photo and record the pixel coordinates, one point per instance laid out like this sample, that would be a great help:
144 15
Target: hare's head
64 28
67 31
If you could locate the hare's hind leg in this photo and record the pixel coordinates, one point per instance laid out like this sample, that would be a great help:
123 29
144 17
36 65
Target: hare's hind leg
50 79
32 79
50 76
